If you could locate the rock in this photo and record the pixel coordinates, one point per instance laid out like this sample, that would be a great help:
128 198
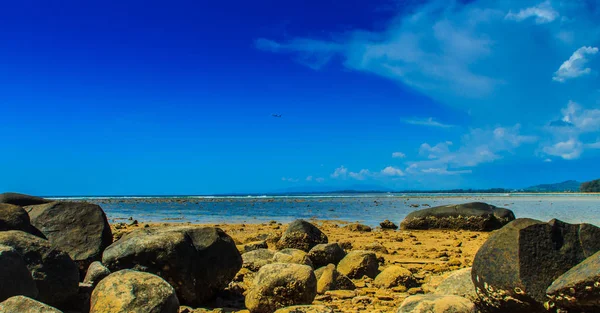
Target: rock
475 216
341 294
323 254
577 289
514 267
95 273
342 282
14 217
394 276
301 235
281 285
305 309
21 199
196 261
437 304
256 259
292 256
55 274
458 283
15 278
376 247
387 224
358 228
78 228
251 246
22 304
359 263
327 279
129 291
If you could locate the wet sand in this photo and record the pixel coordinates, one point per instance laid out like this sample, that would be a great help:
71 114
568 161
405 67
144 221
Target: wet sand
429 255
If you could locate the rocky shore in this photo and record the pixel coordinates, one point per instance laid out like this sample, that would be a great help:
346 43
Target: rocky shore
58 256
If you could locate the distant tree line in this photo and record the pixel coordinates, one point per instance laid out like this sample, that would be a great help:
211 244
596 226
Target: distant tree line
590 186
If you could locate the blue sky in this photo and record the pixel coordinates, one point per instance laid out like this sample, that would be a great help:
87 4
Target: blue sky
154 97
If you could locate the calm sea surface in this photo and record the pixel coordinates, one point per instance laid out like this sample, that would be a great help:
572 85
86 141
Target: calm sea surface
369 209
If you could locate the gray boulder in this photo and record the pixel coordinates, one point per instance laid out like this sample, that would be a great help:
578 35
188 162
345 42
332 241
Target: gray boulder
256 259
387 224
95 273
281 285
22 304
292 256
78 228
55 274
327 253
475 216
197 261
516 265
577 289
21 199
458 283
356 227
301 235
13 217
436 303
130 291
359 263
15 278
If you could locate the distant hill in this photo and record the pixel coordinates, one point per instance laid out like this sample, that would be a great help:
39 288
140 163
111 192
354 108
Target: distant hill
591 186
566 186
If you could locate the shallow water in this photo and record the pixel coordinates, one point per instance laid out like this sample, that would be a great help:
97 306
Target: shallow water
369 209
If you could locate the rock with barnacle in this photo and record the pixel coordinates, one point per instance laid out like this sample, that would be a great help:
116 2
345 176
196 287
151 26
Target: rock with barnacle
515 266
577 290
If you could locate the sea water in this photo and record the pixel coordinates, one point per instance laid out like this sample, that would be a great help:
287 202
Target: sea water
370 209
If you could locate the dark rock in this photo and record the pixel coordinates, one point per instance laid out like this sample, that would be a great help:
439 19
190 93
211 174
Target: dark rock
387 224
577 289
475 216
281 285
327 253
22 304
13 217
516 265
95 273
129 291
256 259
251 246
78 228
197 261
436 303
458 283
358 263
15 278
301 235
55 274
21 199
358 228
328 278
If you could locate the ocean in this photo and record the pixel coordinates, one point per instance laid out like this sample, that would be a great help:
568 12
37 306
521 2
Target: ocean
369 209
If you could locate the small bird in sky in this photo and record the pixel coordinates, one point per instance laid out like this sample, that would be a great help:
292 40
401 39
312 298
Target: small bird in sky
276 115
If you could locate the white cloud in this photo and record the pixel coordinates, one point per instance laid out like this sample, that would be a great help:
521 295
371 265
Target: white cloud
319 179
543 13
340 172
426 122
548 160
290 180
567 132
361 175
398 155
309 178
575 66
445 171
568 150
392 171
436 151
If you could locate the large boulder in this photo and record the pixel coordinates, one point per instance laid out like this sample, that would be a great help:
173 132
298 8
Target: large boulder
129 291
332 280
55 274
301 235
281 285
13 217
95 273
476 216
292 256
197 261
306 309
458 283
359 263
21 199
577 289
514 267
394 276
22 304
256 259
436 303
15 278
78 228
326 253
